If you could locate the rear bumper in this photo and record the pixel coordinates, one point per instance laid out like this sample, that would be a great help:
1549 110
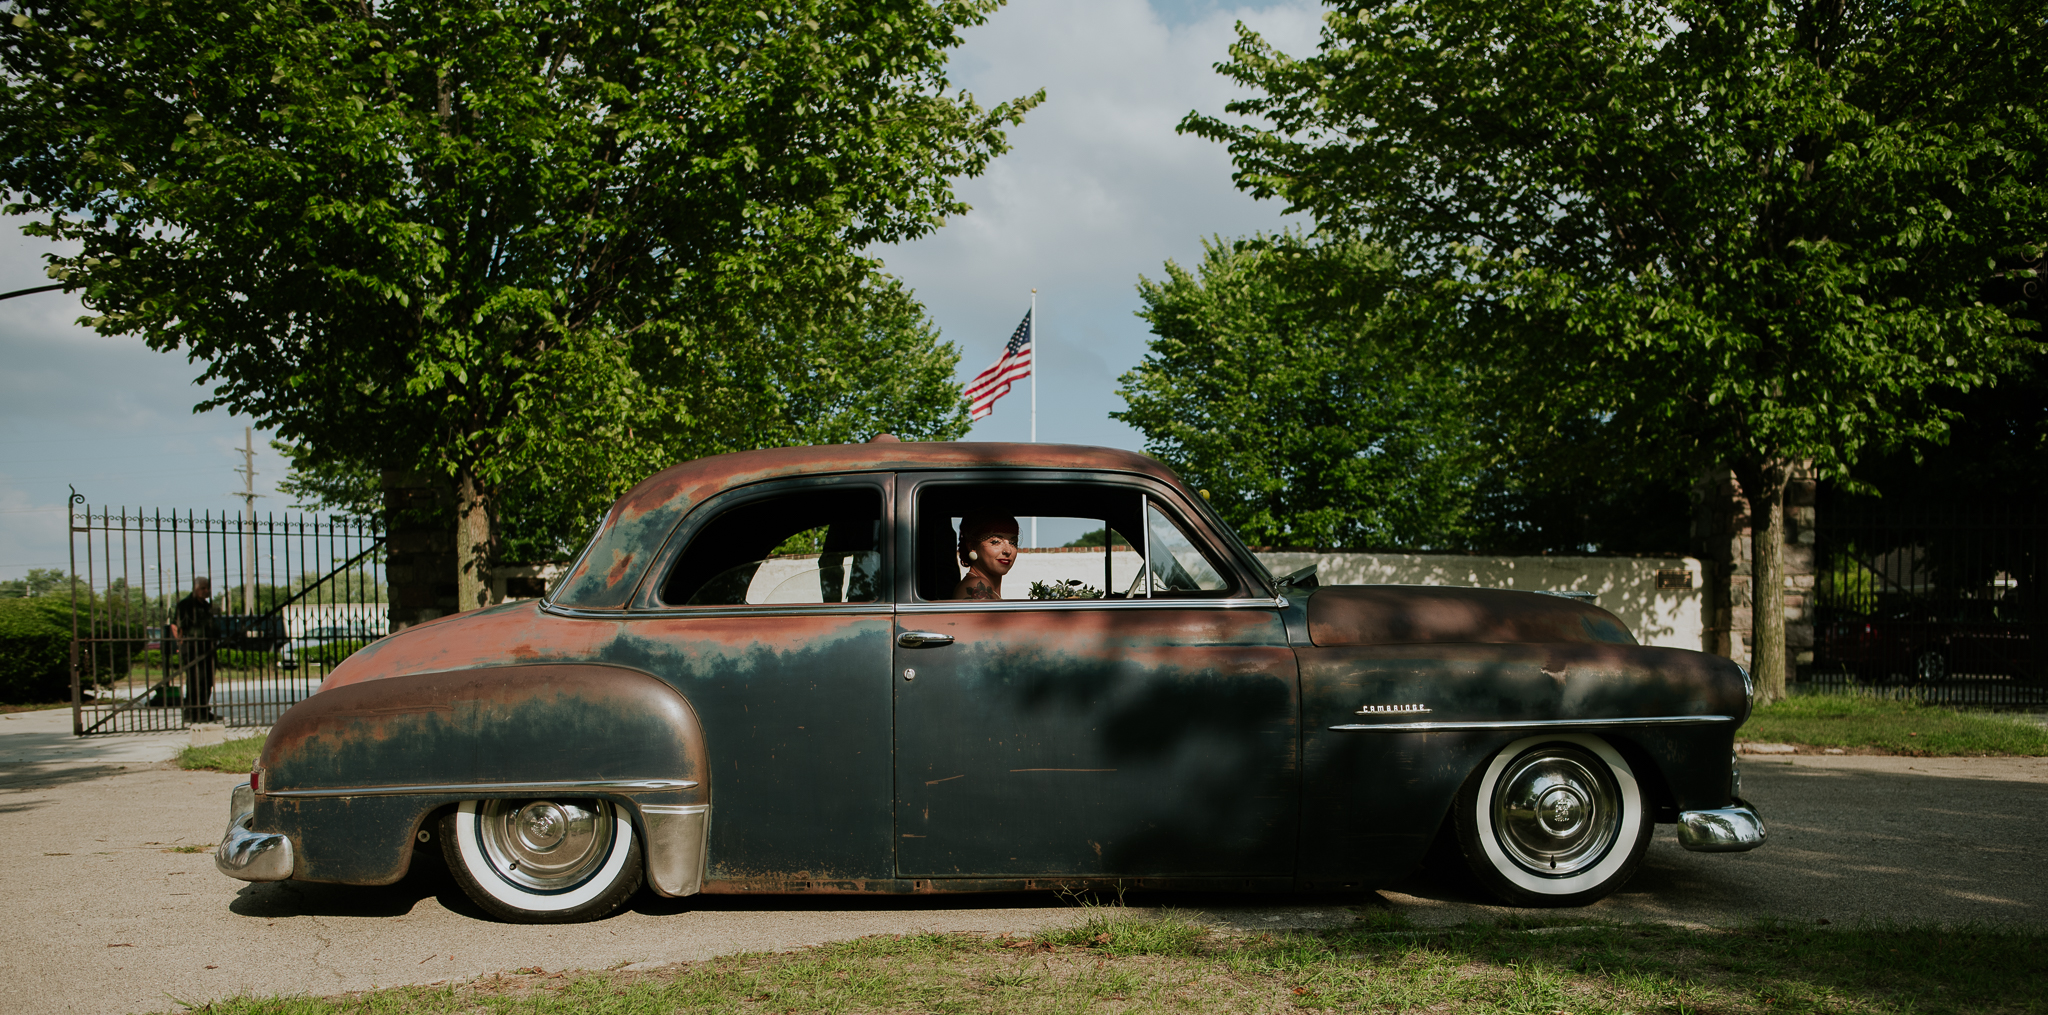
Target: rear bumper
251 855
1731 829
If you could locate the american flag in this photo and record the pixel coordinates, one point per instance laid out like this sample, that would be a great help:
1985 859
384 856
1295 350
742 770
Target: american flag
1013 365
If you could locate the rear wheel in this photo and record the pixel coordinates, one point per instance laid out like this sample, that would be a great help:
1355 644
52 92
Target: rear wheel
543 861
1554 820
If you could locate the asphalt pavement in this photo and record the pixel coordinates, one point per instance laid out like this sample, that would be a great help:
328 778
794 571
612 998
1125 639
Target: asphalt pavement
104 914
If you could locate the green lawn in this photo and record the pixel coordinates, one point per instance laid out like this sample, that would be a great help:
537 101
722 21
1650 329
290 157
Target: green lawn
1119 963
236 757
1899 727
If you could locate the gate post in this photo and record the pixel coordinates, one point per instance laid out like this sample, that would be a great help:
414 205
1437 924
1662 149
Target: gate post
71 531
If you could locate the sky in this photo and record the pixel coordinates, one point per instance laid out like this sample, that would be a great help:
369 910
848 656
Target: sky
1096 191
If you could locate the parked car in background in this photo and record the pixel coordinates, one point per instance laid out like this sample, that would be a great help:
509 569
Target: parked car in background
249 632
325 646
779 635
1931 641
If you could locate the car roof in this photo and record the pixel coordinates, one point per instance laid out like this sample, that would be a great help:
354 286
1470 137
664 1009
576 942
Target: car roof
639 520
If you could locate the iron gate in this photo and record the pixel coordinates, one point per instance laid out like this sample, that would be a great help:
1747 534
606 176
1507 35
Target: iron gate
1943 607
292 596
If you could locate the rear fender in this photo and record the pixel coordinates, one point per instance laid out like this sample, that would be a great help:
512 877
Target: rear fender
353 773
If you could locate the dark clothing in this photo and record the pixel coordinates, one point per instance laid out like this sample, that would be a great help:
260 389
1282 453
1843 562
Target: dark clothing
194 619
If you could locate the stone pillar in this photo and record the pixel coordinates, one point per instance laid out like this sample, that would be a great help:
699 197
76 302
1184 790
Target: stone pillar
1720 533
419 564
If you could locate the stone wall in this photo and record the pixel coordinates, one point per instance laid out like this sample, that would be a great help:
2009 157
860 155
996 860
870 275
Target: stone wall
1721 531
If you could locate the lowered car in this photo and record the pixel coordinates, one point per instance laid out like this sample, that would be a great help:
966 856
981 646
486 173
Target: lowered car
758 677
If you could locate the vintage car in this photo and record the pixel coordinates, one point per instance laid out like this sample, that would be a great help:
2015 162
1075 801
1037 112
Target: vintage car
757 678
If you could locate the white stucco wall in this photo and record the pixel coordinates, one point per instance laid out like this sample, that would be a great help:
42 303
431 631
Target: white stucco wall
1623 586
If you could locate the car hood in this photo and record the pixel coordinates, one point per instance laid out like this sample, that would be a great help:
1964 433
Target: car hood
1426 614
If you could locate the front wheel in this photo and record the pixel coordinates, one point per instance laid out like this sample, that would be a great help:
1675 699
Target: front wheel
1556 820
543 861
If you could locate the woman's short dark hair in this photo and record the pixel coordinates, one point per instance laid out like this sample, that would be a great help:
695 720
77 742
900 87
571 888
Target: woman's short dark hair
974 527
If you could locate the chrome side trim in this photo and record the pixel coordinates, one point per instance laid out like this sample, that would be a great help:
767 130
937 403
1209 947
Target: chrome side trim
1731 829
981 606
250 855
683 612
676 841
536 788
1532 724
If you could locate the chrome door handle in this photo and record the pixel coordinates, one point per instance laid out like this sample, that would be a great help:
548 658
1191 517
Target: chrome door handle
923 639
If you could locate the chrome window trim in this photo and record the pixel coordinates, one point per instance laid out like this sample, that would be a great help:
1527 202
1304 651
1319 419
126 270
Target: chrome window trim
537 788
1532 724
986 606
765 610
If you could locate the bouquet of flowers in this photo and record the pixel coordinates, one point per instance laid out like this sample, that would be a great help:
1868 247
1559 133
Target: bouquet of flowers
1069 589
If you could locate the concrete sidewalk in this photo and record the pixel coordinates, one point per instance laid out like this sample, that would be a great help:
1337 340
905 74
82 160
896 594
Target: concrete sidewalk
45 738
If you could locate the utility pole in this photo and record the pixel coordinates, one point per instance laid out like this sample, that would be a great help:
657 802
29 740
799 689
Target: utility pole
248 494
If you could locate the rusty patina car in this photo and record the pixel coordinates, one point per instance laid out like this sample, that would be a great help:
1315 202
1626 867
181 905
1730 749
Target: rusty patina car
756 679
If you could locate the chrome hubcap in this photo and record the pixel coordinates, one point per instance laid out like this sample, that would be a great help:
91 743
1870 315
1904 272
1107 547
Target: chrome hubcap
1556 810
545 844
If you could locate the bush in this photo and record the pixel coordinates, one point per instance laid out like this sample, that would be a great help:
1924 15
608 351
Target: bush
35 650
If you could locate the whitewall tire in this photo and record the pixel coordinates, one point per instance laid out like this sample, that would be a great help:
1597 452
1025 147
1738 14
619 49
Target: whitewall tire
1553 820
543 861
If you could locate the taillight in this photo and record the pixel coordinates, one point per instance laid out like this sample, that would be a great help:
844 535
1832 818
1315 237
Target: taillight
255 780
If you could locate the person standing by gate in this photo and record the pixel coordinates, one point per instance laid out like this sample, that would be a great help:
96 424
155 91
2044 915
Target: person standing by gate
192 628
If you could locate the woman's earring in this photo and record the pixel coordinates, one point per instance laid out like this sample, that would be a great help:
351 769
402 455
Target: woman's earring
971 555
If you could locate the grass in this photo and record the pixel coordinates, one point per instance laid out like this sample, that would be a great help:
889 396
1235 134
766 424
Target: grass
235 757
1896 727
1120 962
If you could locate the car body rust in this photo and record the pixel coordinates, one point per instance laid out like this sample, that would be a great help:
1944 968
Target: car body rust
1260 738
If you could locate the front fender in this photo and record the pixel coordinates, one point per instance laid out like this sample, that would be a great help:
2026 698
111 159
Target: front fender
352 772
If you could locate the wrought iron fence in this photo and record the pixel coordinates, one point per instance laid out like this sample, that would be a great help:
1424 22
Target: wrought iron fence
291 596
1939 607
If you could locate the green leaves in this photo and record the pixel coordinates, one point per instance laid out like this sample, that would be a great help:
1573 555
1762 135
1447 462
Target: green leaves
1284 379
399 234
1736 231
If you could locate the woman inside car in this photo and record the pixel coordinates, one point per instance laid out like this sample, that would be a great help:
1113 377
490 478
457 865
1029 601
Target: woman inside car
988 549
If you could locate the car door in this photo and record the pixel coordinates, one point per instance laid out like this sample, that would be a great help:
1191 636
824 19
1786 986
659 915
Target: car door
770 612
1147 731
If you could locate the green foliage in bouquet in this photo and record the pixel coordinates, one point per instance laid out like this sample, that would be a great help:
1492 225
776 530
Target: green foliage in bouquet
1069 589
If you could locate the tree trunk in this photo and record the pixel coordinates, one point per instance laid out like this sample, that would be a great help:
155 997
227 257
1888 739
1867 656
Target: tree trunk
473 543
1764 487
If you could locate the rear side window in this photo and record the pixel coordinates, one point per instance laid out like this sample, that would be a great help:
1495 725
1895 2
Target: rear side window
805 546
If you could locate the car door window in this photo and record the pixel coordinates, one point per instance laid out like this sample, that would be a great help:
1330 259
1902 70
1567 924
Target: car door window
1177 565
1087 544
802 546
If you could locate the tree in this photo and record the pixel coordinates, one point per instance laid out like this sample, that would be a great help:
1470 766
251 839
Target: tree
465 235
833 377
1741 234
1304 416
40 581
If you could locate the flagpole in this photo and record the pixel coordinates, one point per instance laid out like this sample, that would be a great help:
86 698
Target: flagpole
1035 362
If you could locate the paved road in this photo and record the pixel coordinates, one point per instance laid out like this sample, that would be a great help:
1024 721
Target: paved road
99 917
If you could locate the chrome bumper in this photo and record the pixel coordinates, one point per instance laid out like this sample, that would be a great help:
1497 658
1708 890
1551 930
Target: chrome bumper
251 855
1725 830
